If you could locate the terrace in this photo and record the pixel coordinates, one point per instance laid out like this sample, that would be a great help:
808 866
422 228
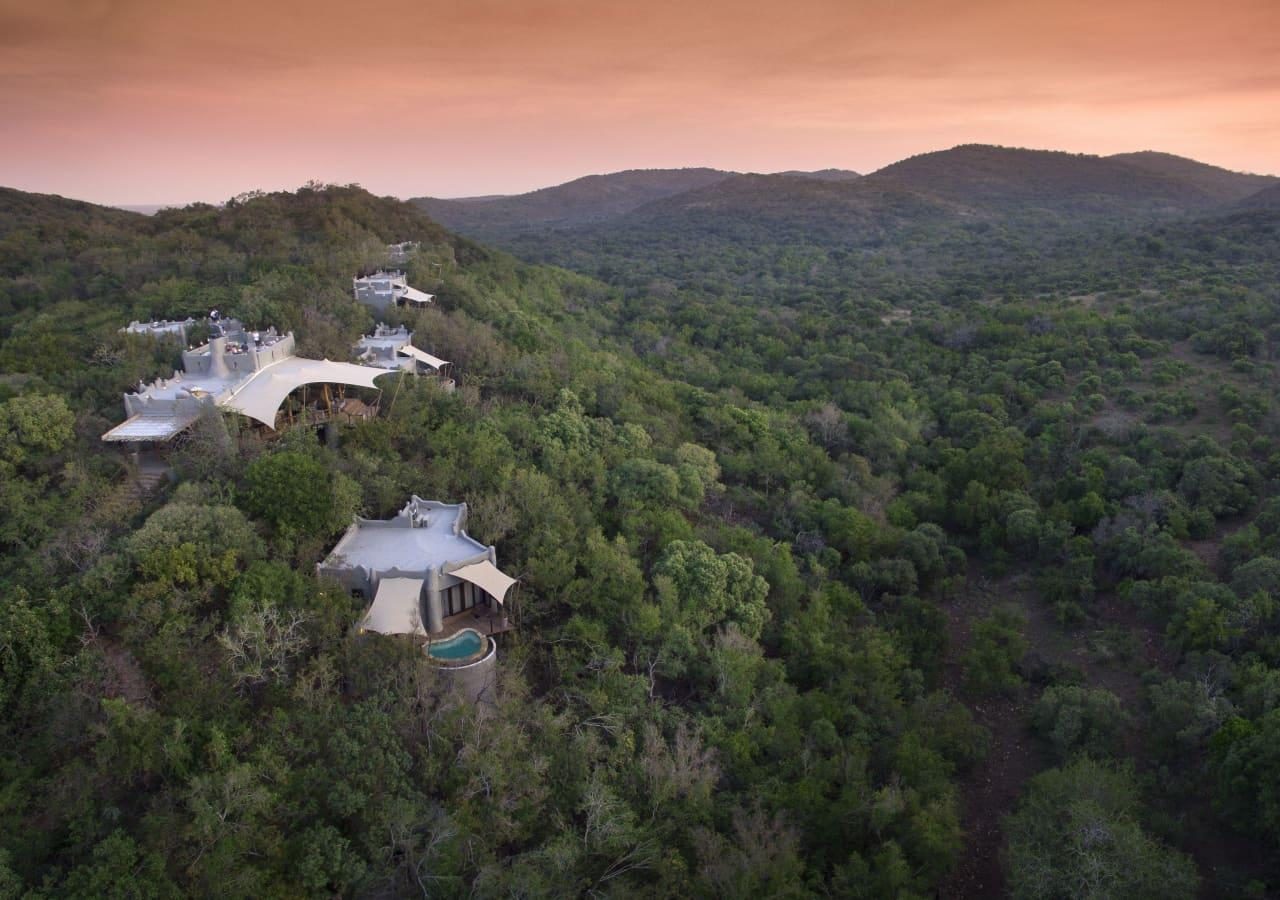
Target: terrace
252 373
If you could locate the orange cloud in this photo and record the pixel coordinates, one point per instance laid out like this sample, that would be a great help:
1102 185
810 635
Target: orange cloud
151 101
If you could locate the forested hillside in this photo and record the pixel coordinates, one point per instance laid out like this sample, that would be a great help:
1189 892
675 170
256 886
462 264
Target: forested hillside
1008 179
585 201
594 198
1268 197
1094 344
823 174
1220 184
887 552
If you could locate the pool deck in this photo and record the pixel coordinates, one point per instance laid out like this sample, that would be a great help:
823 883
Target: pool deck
482 622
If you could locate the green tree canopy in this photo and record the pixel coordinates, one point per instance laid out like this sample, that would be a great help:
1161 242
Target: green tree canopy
1076 834
298 493
708 588
34 425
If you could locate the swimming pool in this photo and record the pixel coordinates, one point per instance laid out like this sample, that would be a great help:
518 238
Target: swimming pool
462 646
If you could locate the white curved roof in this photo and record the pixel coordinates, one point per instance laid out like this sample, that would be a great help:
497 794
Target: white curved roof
413 295
436 537
261 395
434 362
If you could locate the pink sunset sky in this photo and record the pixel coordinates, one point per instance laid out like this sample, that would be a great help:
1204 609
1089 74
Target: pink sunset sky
156 101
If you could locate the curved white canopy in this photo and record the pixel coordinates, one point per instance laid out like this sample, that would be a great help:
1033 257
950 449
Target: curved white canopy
260 397
397 607
488 577
417 297
434 362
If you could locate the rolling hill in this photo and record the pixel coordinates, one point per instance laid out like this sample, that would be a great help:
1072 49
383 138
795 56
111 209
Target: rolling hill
1018 188
1267 198
1223 185
583 201
823 174
976 208
20 209
1001 180
972 208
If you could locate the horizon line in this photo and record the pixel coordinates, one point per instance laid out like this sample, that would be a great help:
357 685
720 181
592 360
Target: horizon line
148 208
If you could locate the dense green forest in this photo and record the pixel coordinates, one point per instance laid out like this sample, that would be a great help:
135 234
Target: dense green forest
892 555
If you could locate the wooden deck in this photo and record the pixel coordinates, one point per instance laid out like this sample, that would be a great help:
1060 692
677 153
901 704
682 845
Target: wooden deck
478 618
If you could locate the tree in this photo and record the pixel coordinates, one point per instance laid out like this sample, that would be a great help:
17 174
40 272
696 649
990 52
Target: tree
1022 530
1077 719
699 473
27 650
1260 574
1183 715
34 425
998 645
300 494
1076 833
194 538
119 870
644 483
326 862
704 588
262 643
1220 484
762 859
1245 760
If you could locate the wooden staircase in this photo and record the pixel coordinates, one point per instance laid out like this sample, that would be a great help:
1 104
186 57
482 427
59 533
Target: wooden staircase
148 476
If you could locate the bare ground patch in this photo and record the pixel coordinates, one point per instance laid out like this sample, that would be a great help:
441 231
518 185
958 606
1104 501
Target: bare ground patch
992 788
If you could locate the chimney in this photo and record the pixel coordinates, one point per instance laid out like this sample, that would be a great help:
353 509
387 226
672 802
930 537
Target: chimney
217 362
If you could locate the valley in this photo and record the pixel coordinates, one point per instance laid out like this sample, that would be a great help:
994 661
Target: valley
876 535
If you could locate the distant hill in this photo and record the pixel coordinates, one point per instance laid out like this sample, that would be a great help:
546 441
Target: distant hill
1224 185
55 227
972 182
23 209
595 198
147 209
976 207
785 204
823 174
1267 198
1007 180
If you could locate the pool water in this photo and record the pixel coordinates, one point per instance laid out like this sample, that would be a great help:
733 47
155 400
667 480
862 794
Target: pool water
463 645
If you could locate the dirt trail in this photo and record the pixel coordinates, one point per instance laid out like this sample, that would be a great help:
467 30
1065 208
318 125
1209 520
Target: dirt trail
991 790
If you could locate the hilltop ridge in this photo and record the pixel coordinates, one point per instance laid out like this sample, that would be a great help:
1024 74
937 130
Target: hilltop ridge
967 183
1007 179
592 198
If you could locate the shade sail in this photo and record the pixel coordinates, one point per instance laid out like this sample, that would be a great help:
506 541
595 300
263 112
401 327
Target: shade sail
143 427
434 362
260 397
488 577
397 607
417 297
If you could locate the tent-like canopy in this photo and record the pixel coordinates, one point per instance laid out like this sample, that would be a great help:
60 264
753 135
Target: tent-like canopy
143 427
417 297
260 397
396 608
488 577
434 362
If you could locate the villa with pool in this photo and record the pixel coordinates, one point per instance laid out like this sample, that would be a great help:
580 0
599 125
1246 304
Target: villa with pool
424 576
